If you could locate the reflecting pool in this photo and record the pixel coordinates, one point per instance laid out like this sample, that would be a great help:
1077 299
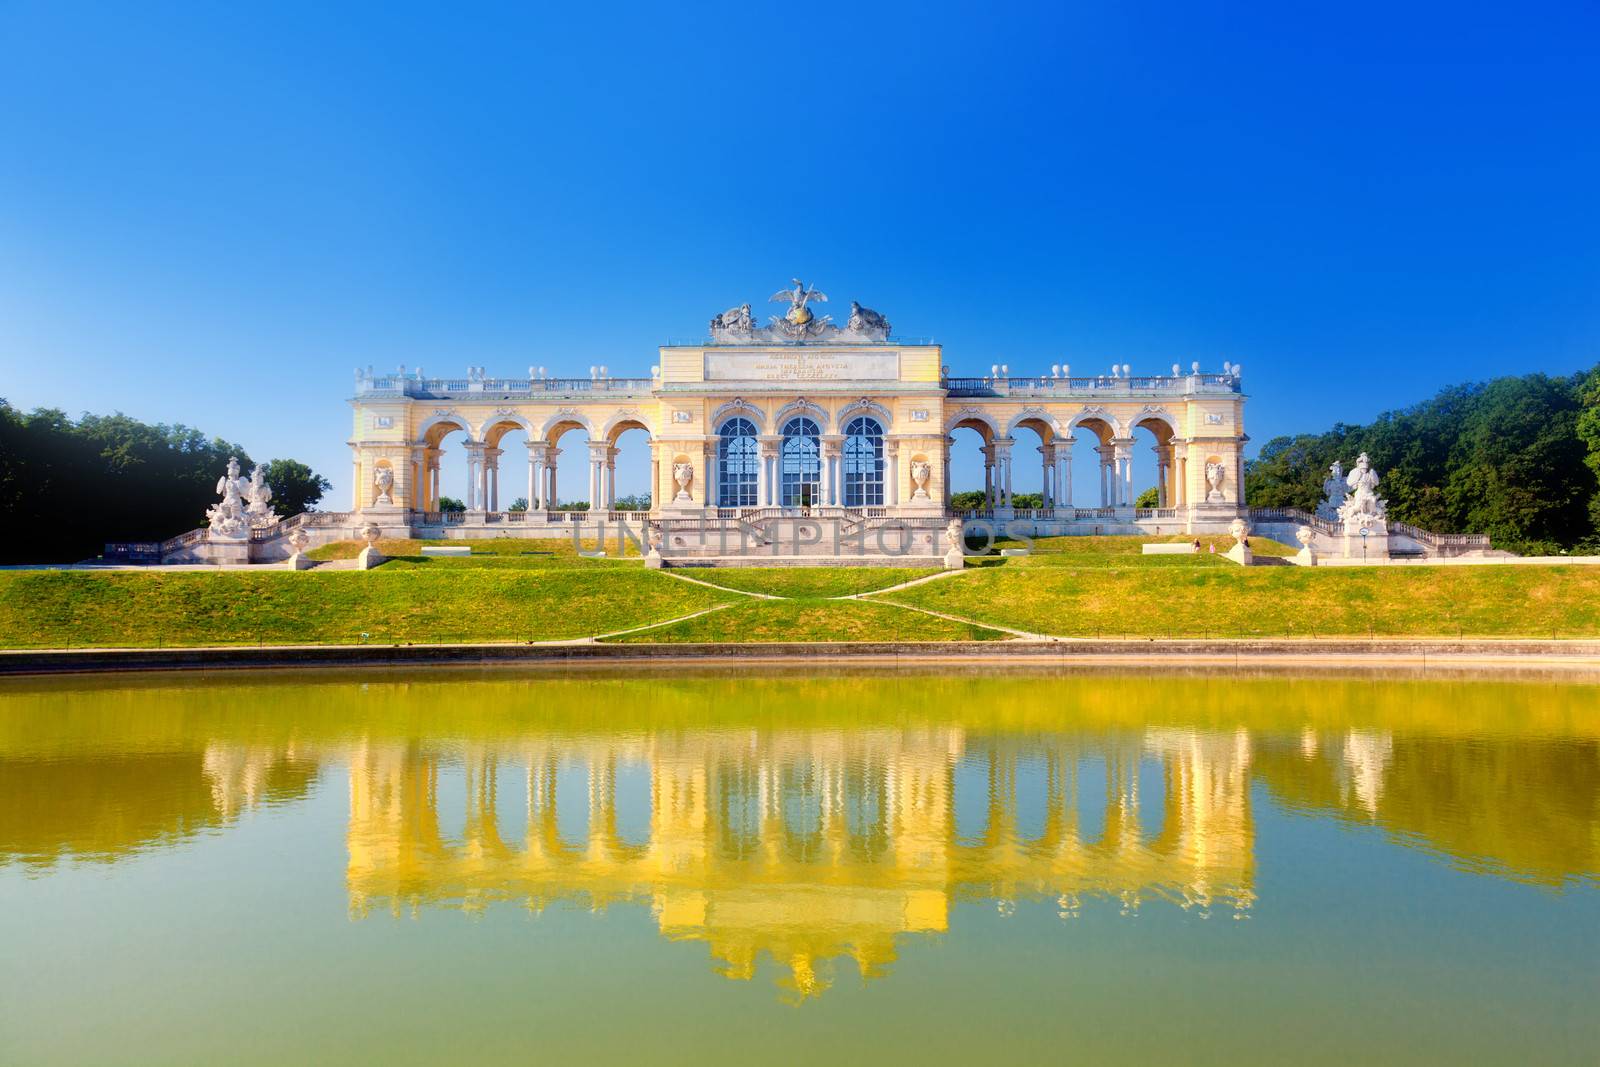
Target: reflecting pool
683 866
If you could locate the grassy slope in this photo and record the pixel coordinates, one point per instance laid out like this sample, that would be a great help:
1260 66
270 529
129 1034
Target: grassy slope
812 621
540 590
513 551
807 583
1199 596
391 604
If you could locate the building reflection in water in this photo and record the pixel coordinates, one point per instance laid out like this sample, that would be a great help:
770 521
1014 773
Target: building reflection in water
804 843
813 845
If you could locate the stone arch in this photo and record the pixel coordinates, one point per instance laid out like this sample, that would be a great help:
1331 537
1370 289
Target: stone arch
973 419
1091 415
796 407
1160 416
1027 461
561 422
1041 422
498 425
435 427
740 408
622 422
864 406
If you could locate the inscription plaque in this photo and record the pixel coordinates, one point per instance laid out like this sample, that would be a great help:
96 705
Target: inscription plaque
802 365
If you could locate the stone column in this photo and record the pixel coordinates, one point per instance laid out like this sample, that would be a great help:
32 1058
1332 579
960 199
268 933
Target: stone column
949 443
1100 454
1064 473
491 478
770 446
1002 462
357 490
1047 475
655 476
891 473
1125 454
552 496
709 450
611 477
832 450
988 476
597 462
474 501
536 462
1162 458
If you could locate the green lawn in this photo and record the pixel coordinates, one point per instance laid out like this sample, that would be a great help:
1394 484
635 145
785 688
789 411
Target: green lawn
1196 596
1127 551
522 590
813 583
499 552
392 604
811 621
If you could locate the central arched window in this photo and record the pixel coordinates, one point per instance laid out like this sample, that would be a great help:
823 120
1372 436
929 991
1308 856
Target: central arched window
802 463
738 464
863 463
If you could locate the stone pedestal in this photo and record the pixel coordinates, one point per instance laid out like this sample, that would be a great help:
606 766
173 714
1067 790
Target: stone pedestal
299 562
1240 554
1373 548
221 550
368 558
955 558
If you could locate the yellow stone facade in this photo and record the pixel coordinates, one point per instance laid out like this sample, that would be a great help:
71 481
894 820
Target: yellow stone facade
695 392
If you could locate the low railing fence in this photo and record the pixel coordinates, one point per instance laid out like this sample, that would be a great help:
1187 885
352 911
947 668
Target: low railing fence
1098 386
1297 517
1439 540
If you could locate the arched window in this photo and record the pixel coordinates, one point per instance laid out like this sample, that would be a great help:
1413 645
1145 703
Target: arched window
802 463
863 463
738 464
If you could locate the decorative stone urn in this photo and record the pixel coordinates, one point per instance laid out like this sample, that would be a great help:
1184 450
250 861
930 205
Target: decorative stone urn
383 482
299 540
369 557
921 471
683 475
954 558
652 540
1307 556
1240 552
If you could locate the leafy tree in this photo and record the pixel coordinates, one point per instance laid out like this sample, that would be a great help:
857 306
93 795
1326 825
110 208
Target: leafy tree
1507 458
450 503
634 503
1150 498
295 486
101 478
519 504
967 500
1588 429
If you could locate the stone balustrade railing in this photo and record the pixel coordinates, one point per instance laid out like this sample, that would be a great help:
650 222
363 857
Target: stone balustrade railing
501 388
1042 387
1439 540
1296 517
1045 387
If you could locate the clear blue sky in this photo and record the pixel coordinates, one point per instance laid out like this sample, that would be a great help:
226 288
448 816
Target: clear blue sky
211 213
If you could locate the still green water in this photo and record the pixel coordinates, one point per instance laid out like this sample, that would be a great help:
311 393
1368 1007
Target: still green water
787 868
